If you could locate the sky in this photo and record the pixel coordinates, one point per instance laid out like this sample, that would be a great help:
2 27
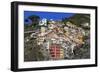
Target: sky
47 15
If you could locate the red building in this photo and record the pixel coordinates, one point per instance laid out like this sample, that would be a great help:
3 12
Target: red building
55 51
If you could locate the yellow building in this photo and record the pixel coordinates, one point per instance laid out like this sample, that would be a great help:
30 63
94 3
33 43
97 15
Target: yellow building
61 53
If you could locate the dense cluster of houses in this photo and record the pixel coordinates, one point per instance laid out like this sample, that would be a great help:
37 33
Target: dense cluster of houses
58 40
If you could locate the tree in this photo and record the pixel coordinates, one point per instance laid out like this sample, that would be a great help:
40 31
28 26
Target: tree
35 20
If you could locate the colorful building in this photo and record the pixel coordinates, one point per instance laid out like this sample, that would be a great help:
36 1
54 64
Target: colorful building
56 52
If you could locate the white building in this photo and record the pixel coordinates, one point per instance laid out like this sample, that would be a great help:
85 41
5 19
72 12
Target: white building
43 22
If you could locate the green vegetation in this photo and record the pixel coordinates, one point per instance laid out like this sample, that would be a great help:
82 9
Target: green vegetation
35 20
32 51
78 19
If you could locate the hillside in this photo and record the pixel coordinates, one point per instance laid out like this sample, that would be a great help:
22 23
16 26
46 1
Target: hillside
79 20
